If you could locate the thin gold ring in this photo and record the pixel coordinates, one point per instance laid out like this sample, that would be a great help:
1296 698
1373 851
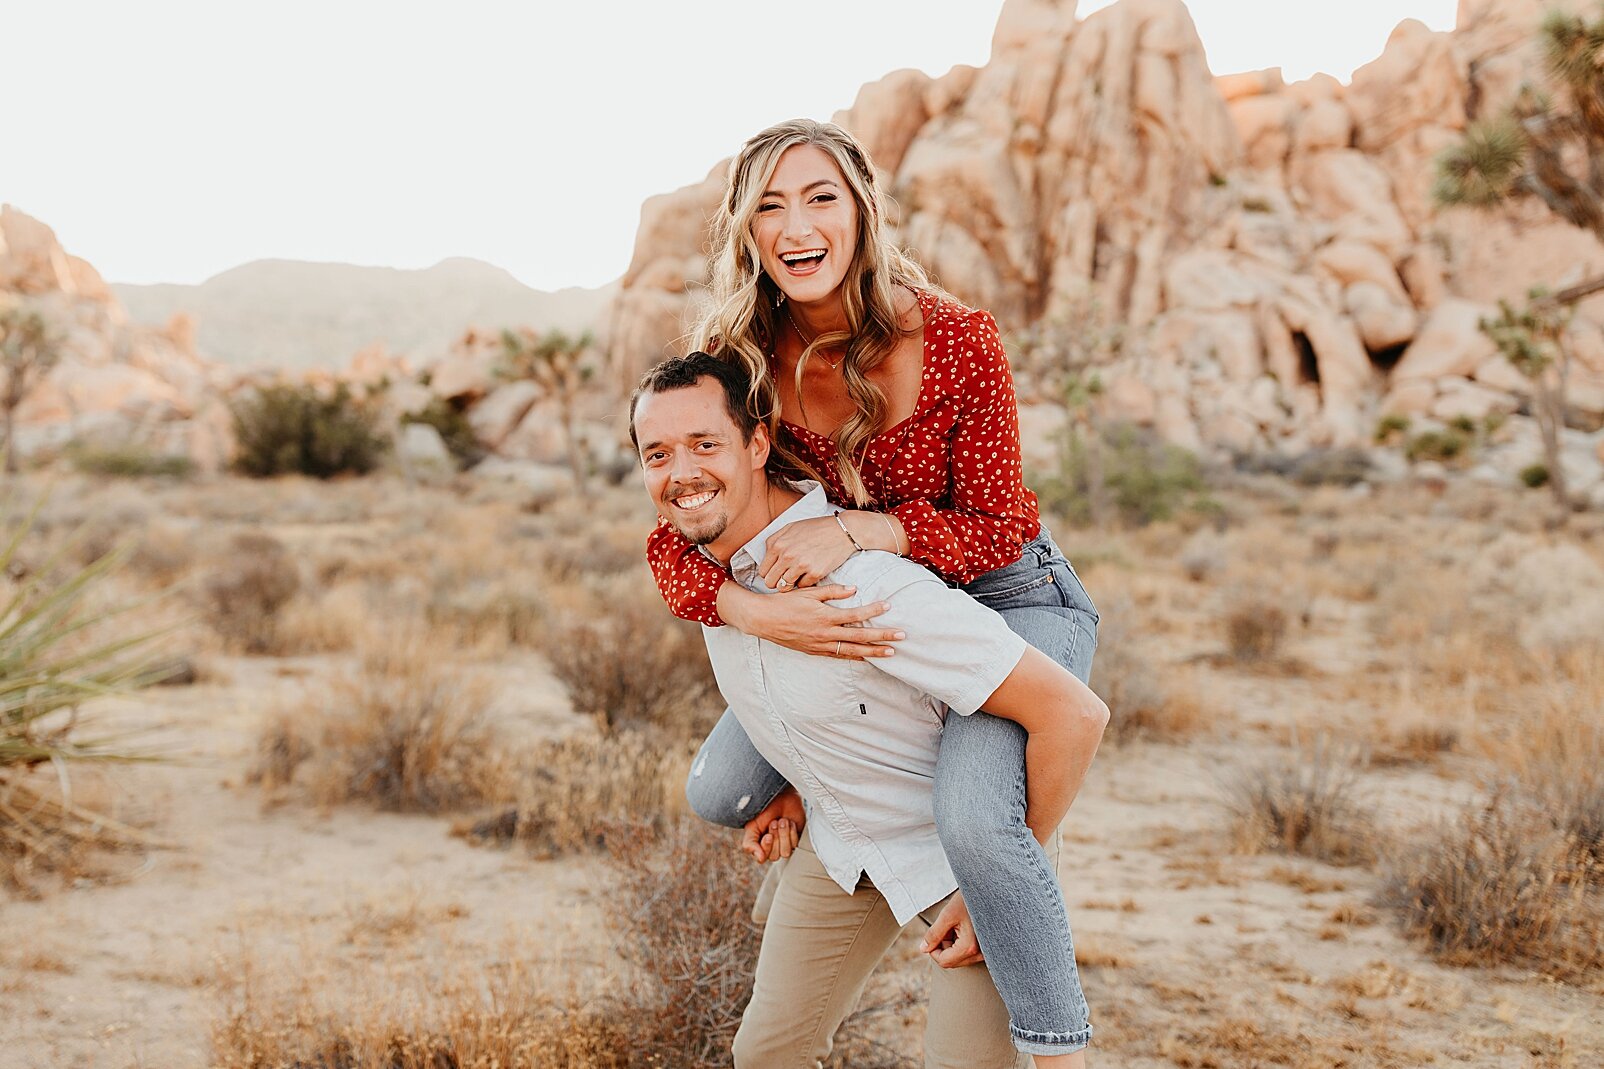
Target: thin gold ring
838 647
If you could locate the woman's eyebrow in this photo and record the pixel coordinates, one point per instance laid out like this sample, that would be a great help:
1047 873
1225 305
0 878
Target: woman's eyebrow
810 185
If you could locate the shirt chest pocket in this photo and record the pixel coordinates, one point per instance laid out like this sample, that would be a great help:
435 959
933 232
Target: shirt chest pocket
805 689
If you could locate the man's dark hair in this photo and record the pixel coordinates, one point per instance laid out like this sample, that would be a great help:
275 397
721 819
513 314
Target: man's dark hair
682 372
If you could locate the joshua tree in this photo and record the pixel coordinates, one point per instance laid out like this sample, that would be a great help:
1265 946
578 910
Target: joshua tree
1549 144
554 362
29 347
1534 340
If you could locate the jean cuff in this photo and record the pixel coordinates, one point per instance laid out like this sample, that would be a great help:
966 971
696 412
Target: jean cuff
1049 1042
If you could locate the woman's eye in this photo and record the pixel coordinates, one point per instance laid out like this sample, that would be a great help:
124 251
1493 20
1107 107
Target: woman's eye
767 208
824 198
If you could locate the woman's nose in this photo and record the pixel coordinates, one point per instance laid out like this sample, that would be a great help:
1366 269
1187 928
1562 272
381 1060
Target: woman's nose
797 224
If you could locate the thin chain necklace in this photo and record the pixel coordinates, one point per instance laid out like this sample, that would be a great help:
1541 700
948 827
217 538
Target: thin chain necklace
807 341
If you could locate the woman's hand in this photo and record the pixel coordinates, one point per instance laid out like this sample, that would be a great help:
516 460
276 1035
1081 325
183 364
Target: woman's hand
802 621
951 941
801 553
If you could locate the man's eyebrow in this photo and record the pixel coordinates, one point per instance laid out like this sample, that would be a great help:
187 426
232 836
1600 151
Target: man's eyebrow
647 447
810 185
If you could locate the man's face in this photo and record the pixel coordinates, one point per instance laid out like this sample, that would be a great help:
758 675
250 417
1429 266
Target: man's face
699 473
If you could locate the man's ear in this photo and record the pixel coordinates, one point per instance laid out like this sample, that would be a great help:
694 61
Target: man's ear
760 447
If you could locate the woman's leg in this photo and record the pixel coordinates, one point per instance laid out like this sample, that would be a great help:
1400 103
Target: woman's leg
730 783
1009 884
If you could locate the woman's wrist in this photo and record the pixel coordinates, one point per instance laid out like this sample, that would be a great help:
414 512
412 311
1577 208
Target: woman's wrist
732 602
875 530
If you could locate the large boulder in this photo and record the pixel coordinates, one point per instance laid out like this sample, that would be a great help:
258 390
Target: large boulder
1450 342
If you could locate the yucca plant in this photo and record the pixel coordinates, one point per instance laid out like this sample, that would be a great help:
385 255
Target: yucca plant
1547 145
55 655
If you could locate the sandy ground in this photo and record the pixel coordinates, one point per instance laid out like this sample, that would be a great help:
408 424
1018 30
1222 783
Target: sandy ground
1194 955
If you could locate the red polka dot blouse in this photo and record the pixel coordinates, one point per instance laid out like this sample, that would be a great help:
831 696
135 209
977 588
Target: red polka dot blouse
950 472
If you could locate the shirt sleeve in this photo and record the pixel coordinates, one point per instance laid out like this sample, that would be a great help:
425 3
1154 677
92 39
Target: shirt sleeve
687 580
990 511
956 650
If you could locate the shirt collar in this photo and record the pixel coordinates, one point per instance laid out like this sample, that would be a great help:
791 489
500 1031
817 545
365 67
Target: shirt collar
744 561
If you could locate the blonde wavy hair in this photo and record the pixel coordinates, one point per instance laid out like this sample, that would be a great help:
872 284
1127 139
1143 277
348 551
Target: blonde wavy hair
742 321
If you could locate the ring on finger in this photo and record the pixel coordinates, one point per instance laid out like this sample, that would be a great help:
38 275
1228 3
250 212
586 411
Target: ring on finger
782 584
838 647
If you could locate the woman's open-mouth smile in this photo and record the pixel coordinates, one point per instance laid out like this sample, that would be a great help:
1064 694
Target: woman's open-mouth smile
803 261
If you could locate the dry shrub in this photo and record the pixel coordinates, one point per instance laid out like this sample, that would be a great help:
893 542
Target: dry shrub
1255 628
1128 676
1203 558
405 732
632 665
490 609
466 1019
569 791
244 592
679 904
1303 803
334 622
1556 755
1499 885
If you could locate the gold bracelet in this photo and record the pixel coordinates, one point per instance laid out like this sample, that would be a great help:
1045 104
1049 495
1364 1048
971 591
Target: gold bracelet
896 543
839 522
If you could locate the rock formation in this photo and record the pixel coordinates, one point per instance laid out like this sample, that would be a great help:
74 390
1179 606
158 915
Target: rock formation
116 382
1273 248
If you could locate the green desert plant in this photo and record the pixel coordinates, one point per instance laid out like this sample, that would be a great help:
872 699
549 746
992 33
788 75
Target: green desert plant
29 348
1548 145
59 647
556 363
455 431
286 429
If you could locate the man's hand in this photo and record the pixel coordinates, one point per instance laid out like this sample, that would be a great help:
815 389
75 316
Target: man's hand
774 832
951 941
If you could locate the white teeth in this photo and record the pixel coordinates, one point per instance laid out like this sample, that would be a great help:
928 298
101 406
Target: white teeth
793 257
692 502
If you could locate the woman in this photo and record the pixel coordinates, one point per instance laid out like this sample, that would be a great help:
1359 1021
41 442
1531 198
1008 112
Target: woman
899 400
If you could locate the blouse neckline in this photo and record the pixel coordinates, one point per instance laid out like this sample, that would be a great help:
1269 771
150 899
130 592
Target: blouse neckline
927 305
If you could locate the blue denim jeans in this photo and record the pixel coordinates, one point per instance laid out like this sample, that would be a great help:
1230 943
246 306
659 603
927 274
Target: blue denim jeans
1008 883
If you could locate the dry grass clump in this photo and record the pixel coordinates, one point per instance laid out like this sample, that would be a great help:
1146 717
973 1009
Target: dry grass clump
1303 803
1255 629
569 792
632 665
405 732
678 906
490 609
1500 884
1203 558
1144 701
245 591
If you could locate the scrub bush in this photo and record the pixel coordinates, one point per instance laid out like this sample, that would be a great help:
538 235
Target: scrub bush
286 429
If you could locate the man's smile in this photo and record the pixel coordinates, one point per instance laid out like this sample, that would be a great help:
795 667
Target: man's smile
694 502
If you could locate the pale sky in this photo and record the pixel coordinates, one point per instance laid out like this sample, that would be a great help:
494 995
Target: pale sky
166 141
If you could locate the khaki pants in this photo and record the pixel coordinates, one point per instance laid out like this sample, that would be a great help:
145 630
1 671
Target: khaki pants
819 946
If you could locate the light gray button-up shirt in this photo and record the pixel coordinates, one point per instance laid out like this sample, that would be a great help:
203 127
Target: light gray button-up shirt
859 739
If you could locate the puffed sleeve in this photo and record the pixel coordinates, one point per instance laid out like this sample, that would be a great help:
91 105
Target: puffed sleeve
688 581
989 513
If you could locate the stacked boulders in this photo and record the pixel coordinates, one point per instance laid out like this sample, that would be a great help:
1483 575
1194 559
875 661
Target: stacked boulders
115 383
1273 250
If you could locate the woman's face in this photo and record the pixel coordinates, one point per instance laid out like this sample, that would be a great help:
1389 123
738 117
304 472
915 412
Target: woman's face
806 226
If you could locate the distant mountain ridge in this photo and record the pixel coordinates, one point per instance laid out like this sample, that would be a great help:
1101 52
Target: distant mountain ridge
298 314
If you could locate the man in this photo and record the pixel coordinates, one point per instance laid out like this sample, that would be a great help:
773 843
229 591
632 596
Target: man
858 738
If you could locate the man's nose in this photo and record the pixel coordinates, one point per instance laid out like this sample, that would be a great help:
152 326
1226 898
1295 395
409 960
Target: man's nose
684 465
